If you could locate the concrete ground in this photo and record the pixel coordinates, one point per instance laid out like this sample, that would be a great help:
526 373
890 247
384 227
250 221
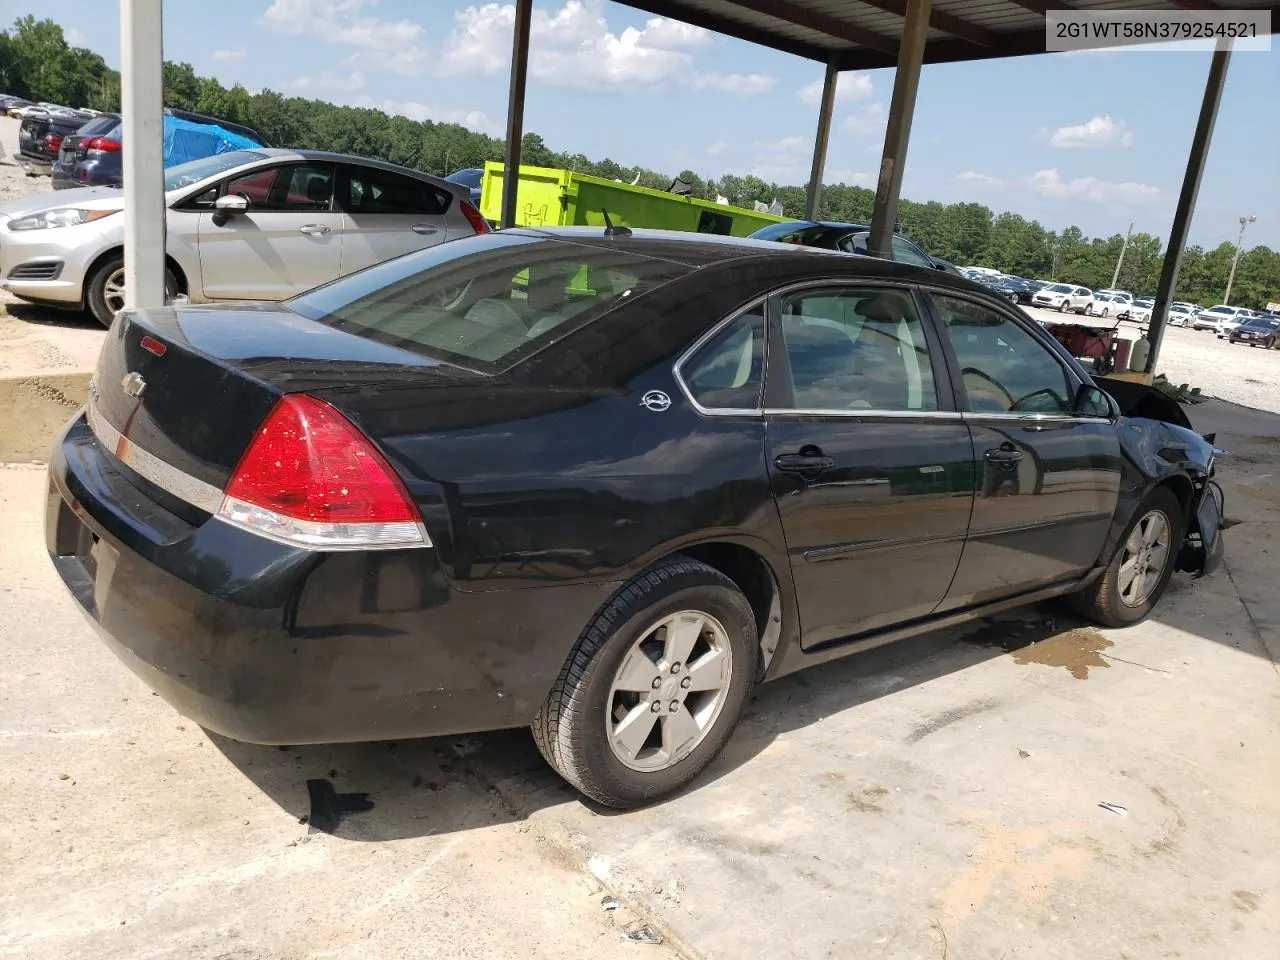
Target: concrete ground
936 798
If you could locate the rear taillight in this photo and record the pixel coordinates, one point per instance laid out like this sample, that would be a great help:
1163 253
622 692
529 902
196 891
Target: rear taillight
478 223
311 479
102 145
52 142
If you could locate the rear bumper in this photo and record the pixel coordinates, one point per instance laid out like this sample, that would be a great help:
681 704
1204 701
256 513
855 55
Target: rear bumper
268 644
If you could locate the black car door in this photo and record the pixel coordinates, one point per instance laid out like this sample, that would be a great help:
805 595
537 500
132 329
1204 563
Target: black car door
870 463
1046 478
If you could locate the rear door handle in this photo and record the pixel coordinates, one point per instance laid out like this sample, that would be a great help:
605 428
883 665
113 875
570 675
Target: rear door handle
313 229
802 463
1002 456
425 229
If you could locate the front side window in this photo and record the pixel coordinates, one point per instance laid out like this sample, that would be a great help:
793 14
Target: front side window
486 302
857 348
369 190
1003 367
307 187
727 372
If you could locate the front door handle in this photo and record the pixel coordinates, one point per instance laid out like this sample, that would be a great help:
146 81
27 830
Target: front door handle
425 229
803 463
313 229
1005 456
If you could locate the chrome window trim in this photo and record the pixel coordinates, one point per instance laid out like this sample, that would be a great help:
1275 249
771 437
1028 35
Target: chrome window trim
192 490
865 414
698 344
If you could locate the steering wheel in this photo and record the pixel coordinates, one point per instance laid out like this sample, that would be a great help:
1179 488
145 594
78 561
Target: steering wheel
986 386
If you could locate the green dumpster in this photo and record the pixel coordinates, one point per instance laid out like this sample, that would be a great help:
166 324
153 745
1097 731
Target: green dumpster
549 197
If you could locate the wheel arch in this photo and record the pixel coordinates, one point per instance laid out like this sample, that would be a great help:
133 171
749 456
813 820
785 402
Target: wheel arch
755 577
179 274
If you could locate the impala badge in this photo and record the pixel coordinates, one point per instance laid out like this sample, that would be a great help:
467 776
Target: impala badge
133 384
655 400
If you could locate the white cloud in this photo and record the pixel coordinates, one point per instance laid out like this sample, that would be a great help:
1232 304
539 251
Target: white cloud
790 143
717 148
1098 132
740 84
573 46
223 56
849 87
973 178
388 44
869 120
75 37
1049 183
348 82
472 119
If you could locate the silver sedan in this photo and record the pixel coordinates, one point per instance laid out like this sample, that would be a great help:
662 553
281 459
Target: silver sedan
247 225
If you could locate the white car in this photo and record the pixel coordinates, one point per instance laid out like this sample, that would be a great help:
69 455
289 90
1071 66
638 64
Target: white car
1181 314
1064 297
261 224
1106 304
1140 310
1221 319
1118 294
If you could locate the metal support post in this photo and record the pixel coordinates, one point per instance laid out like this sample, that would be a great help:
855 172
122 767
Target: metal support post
820 141
515 111
902 105
1187 198
141 102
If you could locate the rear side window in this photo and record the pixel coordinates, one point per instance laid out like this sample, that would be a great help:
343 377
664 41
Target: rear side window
727 372
486 302
368 190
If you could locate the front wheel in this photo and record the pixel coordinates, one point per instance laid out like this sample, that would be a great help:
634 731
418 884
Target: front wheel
1140 570
104 295
654 686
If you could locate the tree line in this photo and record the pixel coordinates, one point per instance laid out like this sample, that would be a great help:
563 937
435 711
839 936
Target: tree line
36 62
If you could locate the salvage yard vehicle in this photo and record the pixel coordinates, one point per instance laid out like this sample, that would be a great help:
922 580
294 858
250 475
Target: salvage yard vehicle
1064 297
599 484
244 225
1256 333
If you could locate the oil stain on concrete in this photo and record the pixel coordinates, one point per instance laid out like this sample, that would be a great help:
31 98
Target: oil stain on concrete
1037 640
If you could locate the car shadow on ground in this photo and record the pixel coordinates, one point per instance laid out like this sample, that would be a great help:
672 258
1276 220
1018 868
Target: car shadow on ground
50 316
448 784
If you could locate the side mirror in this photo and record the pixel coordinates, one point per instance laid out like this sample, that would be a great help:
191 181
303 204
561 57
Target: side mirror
224 207
1092 401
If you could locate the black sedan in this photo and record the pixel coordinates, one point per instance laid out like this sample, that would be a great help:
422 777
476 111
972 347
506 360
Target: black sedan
1256 332
599 484
1014 289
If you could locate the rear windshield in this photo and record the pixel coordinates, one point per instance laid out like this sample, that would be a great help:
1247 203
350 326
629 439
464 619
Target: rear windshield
485 302
99 126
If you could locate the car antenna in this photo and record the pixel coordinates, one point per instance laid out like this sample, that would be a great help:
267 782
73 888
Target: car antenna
610 230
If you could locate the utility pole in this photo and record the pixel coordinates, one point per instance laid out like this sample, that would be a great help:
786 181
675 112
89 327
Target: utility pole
1115 277
1244 222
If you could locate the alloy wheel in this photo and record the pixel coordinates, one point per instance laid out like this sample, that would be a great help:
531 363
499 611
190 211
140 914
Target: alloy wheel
668 691
113 291
1146 552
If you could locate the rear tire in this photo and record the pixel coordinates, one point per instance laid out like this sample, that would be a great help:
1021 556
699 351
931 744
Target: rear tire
104 294
1138 574
600 693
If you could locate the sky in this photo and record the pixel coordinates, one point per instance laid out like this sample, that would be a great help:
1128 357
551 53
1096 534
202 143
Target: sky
1096 139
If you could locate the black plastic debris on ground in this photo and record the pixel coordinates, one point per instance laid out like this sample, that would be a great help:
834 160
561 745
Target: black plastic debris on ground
328 807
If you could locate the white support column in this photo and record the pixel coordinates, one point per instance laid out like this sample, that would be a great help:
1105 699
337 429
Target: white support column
141 103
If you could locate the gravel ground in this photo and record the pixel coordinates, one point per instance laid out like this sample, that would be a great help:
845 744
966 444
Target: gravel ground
1238 374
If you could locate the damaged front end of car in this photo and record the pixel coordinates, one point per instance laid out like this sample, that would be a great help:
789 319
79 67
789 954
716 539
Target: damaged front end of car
1162 443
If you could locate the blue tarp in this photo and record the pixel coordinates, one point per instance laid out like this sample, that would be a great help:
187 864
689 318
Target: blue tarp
184 140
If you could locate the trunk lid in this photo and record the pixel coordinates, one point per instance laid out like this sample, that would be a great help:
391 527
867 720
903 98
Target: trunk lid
189 385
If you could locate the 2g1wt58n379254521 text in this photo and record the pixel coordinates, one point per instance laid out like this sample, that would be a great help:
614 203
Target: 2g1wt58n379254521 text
1157 30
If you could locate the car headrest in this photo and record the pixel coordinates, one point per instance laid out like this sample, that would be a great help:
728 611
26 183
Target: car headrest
887 307
318 189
